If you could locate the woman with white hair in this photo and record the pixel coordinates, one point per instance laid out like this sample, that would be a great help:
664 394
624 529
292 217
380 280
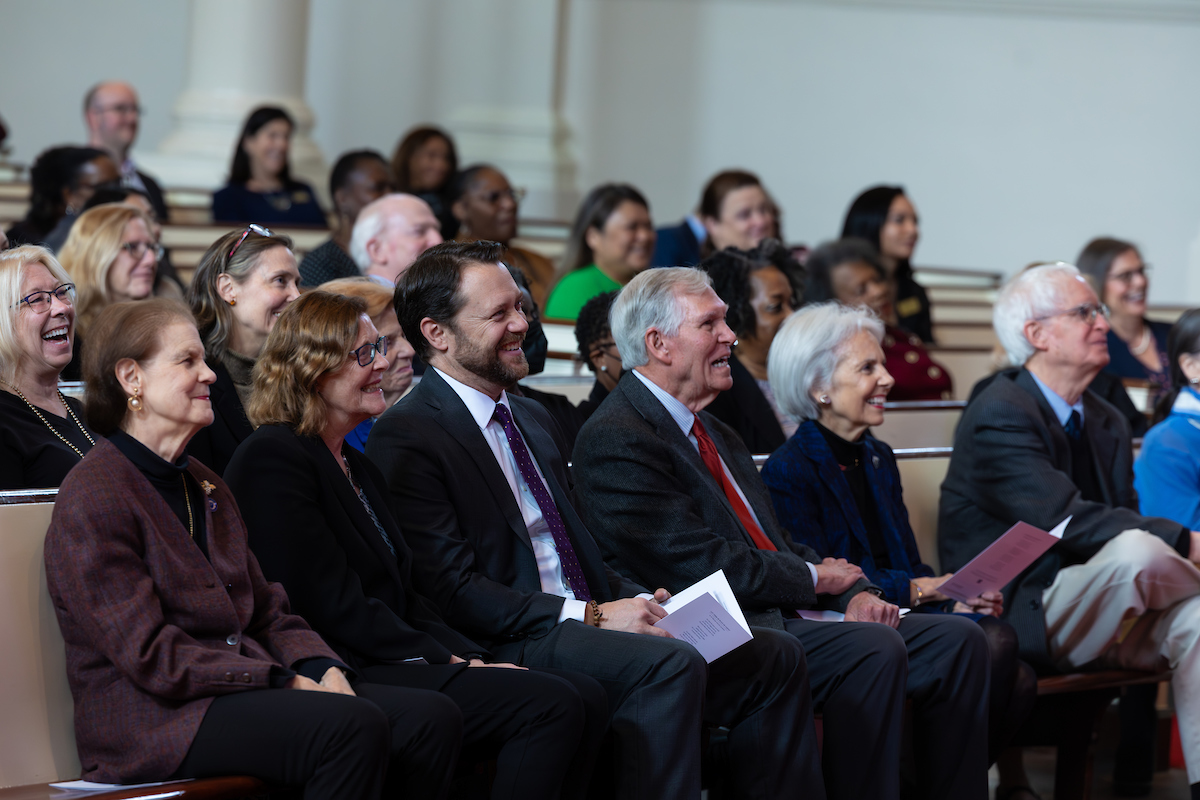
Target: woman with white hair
836 488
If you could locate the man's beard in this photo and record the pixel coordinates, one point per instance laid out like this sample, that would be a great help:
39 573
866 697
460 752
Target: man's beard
487 364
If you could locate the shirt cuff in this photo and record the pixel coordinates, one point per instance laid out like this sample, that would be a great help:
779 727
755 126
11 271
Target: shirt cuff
645 596
573 609
812 570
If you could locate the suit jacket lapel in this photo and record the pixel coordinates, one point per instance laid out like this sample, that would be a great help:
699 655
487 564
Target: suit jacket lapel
1061 450
1104 443
816 450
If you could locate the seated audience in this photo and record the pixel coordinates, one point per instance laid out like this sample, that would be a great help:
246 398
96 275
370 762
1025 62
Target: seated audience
1167 470
737 212
611 240
42 432
243 283
359 178
851 272
389 234
425 164
261 187
112 114
112 256
1137 347
479 478
485 204
60 181
884 217
166 280
836 488
1036 446
672 495
597 349
183 661
760 287
396 379
319 522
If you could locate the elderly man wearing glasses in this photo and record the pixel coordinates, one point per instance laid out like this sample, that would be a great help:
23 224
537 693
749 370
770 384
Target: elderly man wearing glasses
1121 589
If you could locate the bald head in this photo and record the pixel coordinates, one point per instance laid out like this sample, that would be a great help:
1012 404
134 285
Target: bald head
112 114
390 233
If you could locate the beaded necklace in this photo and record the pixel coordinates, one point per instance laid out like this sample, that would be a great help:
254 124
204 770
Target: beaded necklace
37 412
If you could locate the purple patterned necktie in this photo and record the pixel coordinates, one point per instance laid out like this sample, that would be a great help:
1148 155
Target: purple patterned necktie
566 553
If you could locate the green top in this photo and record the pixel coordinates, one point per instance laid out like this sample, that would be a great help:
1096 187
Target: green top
575 289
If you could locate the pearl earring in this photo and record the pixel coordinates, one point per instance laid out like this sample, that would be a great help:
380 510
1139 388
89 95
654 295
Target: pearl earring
604 367
824 399
135 402
1194 381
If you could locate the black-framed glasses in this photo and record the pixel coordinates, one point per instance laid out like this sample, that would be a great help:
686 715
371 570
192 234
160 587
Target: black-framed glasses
255 228
1084 313
366 353
139 249
40 301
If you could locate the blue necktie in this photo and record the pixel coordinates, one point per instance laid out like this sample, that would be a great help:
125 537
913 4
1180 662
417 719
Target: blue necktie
1074 426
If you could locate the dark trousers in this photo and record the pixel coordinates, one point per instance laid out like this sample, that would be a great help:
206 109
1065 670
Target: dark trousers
543 727
661 694
388 741
860 673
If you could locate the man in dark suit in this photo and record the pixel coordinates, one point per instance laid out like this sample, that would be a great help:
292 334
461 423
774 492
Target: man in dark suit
679 245
478 481
1036 445
672 494
112 114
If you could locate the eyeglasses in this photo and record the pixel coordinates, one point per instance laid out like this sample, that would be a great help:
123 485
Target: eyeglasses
121 108
366 353
604 348
139 249
1085 313
259 230
491 198
40 301
1126 278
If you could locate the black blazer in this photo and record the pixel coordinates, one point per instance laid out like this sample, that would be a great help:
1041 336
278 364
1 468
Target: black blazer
213 446
662 520
1011 463
311 533
463 523
745 409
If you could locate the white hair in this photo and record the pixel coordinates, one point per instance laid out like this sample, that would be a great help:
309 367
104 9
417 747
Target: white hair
651 300
806 350
1032 293
373 220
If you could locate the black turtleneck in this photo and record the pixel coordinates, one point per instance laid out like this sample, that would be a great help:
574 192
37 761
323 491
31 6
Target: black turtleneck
167 479
850 456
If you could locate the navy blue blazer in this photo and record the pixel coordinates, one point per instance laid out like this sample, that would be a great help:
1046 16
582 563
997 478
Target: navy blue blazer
676 246
814 504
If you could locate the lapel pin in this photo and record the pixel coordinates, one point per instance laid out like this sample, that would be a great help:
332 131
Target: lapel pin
875 461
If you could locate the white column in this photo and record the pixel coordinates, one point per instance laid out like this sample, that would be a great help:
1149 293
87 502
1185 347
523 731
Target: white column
241 54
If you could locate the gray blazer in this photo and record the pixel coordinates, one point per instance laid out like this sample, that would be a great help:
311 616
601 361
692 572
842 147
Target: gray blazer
662 520
1011 463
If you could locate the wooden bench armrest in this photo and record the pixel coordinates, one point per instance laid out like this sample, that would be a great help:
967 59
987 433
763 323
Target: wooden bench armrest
1090 681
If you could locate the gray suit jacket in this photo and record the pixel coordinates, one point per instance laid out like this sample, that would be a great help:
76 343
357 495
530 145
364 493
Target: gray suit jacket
662 520
1012 463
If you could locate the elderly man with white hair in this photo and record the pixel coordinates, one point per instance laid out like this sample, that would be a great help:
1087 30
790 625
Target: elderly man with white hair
390 233
1035 445
671 494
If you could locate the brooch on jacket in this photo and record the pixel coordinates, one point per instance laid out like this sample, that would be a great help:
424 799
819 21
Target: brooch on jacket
208 490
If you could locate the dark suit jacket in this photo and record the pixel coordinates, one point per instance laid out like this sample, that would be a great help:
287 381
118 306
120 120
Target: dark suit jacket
676 246
213 446
157 198
312 534
814 503
463 523
745 409
154 630
662 520
1012 463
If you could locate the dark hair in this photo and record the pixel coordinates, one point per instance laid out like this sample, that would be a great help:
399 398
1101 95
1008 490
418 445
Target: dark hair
730 270
866 216
413 141
239 171
592 325
1183 339
430 287
720 185
345 166
54 170
122 330
464 179
829 256
114 193
1097 257
594 212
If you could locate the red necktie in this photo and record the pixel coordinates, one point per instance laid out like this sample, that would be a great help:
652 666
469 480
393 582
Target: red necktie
712 460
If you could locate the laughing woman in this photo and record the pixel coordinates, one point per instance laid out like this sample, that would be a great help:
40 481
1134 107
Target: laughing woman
42 432
243 283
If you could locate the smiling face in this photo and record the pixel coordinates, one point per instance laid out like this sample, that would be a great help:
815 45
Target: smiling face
430 165
858 388
409 229
771 299
488 209
45 337
747 217
625 245
174 382
699 351
259 298
1067 343
1126 285
354 393
268 148
113 117
131 276
857 283
901 230
399 374
485 336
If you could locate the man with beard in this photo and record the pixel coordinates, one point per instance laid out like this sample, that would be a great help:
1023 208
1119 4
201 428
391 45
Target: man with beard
478 479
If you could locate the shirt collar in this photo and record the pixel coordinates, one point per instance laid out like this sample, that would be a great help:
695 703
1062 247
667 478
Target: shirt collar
382 281
698 229
1188 402
682 415
481 406
1062 409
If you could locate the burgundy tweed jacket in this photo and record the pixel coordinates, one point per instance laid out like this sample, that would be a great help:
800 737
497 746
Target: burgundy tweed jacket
153 630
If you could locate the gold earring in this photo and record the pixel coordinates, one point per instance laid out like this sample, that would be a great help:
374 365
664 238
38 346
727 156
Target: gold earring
135 402
233 302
